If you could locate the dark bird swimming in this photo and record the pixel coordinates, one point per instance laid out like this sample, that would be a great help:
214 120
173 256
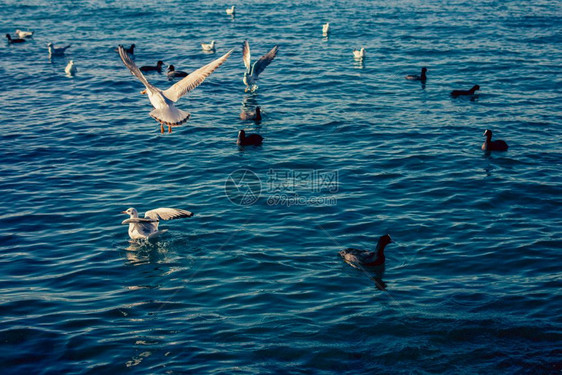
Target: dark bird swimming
422 77
357 257
250 140
150 68
13 41
490 145
456 93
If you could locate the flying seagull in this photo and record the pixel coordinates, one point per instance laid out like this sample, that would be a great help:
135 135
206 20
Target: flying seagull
253 71
163 101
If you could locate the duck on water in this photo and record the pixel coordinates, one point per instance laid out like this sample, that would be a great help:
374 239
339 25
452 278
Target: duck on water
369 260
489 145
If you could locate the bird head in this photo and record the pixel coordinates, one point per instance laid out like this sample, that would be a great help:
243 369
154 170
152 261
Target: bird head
487 133
241 136
131 212
385 240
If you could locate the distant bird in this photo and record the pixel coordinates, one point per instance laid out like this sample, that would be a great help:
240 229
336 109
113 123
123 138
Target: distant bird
490 145
456 93
147 228
365 258
250 140
231 11
130 50
422 77
14 41
208 47
150 68
24 34
163 101
253 71
251 115
70 68
173 73
359 53
326 28
56 51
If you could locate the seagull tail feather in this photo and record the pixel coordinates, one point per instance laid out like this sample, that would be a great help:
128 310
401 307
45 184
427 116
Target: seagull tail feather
170 116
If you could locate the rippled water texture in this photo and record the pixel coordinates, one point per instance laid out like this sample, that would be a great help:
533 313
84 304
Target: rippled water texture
473 278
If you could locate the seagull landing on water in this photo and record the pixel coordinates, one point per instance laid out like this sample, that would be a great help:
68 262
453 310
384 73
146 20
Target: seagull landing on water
253 71
147 227
24 34
359 53
163 101
56 51
208 47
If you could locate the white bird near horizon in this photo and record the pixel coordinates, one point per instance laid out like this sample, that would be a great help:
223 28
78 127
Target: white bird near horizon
163 101
326 28
359 53
24 34
147 228
231 11
70 68
252 72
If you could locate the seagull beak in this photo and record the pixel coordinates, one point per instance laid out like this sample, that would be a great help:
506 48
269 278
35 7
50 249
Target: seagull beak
143 92
124 212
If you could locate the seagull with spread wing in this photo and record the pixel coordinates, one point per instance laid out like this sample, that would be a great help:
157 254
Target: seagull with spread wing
147 227
253 71
163 101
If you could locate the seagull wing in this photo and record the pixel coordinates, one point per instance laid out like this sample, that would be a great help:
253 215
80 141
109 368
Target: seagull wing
194 79
264 61
137 220
246 55
167 214
134 69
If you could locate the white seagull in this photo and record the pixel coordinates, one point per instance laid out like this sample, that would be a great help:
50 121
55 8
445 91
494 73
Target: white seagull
208 47
231 11
24 34
359 53
56 51
70 68
163 101
147 227
326 28
253 71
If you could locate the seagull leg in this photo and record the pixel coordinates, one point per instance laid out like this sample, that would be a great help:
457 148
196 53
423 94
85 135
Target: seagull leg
161 128
169 129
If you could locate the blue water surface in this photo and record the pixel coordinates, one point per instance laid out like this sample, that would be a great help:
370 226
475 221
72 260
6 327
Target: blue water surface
352 151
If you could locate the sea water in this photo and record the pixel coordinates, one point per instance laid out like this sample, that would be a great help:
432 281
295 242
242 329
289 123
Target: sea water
253 283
